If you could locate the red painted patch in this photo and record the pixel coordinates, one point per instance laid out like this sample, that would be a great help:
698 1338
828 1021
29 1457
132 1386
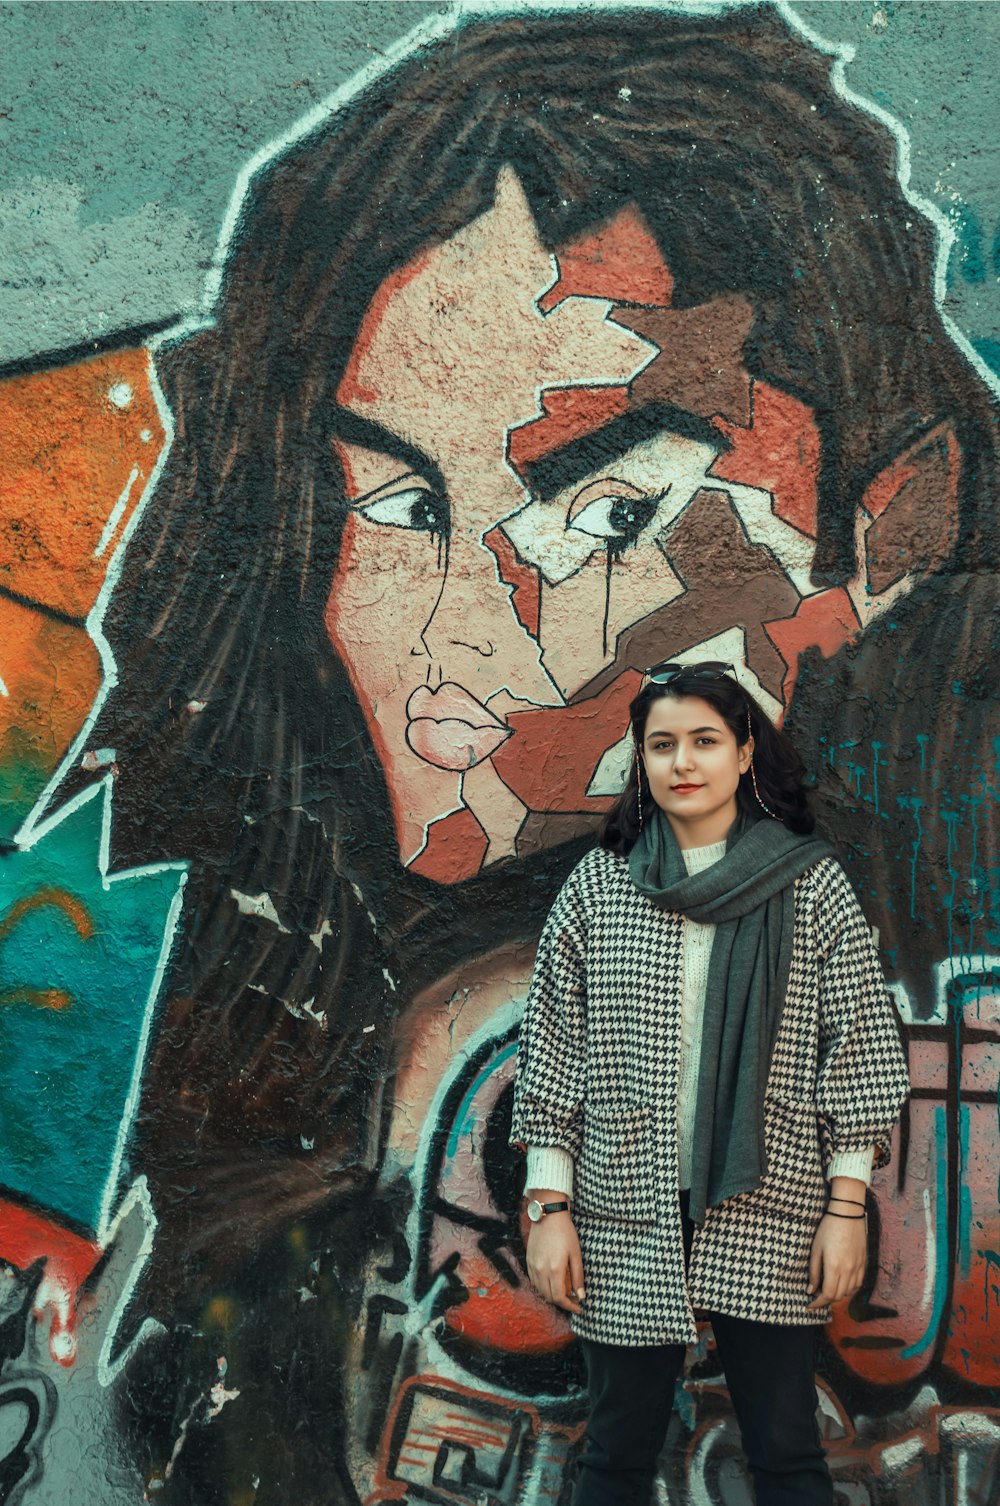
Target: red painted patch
455 845
825 621
526 595
501 1316
570 412
551 759
69 1259
779 453
622 263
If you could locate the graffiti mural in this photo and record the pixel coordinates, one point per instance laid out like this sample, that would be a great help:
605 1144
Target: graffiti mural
556 343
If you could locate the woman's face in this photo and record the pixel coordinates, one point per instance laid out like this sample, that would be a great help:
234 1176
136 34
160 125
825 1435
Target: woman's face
692 760
557 479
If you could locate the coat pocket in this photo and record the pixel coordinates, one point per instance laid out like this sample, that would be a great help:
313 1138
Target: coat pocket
616 1169
794 1181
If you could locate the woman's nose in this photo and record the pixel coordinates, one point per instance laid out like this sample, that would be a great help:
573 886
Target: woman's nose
472 626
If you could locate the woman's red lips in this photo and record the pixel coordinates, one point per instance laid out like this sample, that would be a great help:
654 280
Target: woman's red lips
449 728
686 786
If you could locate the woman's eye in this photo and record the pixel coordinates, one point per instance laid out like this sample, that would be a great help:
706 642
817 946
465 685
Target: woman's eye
615 517
414 508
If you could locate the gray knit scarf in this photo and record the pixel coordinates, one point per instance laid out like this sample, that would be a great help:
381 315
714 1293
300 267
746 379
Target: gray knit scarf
748 897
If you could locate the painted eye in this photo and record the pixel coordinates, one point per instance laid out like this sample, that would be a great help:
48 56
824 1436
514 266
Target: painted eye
615 517
413 508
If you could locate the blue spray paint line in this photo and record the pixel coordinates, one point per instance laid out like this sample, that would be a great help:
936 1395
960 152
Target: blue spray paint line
940 1242
951 820
914 803
464 1119
876 764
964 1195
922 740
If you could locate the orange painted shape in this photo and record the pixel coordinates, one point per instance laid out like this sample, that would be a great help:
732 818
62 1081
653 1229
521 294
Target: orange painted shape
551 761
622 263
51 672
778 453
69 1259
455 844
26 1237
825 621
502 1318
70 444
568 414
526 594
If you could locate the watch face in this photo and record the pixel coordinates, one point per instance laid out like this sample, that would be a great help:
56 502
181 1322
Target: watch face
534 1210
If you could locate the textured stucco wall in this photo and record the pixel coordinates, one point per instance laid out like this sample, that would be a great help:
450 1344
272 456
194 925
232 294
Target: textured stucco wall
353 466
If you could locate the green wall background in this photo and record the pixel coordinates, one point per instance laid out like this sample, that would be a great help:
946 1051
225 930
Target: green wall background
125 125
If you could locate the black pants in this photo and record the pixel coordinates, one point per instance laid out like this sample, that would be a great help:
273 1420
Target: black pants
770 1372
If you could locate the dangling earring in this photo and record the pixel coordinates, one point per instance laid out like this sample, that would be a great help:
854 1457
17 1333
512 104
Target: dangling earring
753 776
639 788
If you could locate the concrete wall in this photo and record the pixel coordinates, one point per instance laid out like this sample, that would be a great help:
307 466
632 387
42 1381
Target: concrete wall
386 386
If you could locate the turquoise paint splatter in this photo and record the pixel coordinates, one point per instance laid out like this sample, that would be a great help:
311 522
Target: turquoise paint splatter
914 803
951 820
876 764
922 740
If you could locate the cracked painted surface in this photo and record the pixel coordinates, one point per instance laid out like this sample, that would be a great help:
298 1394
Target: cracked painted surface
320 613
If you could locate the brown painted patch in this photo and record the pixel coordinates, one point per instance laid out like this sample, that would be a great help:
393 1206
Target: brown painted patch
915 505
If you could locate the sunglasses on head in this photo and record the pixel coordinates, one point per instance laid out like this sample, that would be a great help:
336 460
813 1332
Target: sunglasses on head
707 669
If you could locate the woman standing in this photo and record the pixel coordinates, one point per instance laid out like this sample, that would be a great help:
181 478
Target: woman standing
709 1068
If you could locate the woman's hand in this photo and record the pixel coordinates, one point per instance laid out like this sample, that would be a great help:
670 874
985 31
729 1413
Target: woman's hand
555 1266
838 1259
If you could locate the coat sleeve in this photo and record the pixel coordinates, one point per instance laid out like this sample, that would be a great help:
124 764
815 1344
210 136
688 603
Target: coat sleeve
548 1083
862 1080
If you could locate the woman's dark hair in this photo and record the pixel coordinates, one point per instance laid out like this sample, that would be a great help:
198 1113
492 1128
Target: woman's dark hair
753 176
780 772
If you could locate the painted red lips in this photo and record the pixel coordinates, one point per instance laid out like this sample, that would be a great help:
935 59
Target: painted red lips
449 728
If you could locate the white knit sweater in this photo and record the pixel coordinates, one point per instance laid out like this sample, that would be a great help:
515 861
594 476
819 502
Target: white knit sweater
551 1168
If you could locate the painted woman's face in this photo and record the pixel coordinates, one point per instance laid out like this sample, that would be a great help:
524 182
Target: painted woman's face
554 479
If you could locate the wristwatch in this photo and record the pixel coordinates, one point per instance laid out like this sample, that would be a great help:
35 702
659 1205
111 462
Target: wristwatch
536 1211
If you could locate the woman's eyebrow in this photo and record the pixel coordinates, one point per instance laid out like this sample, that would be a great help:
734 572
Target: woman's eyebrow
369 434
694 732
571 463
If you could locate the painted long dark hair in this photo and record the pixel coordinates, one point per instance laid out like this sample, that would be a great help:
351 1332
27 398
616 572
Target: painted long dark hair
780 773
755 177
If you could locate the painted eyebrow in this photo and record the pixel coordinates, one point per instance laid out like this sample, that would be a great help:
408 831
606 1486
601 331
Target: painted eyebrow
694 733
551 474
368 434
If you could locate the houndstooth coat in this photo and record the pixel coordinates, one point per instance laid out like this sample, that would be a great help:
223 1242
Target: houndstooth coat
597 1074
